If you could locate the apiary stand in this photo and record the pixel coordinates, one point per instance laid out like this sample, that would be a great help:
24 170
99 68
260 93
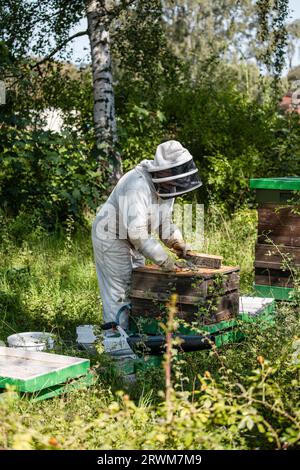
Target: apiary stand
257 310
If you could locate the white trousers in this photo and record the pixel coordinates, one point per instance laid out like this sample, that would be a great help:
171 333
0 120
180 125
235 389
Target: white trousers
114 261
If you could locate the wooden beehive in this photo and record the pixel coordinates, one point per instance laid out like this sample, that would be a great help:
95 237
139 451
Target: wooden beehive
204 295
277 251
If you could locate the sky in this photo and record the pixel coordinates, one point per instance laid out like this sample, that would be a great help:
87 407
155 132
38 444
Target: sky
295 7
81 45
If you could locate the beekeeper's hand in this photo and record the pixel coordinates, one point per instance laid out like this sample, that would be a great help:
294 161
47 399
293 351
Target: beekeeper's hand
180 248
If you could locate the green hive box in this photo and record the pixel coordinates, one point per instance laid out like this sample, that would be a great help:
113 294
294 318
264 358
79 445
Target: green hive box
277 252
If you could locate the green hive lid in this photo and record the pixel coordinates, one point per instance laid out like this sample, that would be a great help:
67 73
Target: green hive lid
287 183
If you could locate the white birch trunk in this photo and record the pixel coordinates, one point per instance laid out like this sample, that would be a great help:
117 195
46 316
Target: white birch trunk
104 102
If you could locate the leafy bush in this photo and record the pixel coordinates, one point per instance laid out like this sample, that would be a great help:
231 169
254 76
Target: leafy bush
140 130
226 408
233 135
51 175
227 133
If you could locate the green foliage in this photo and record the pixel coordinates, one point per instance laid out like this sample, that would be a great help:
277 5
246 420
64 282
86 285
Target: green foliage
227 133
29 27
46 281
243 396
137 47
204 33
285 147
228 406
228 122
140 131
226 119
51 175
272 34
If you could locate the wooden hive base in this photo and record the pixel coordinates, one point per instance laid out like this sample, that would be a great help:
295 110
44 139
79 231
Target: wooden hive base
204 295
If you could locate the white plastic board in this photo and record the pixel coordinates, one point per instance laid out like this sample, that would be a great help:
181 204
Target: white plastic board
254 305
21 364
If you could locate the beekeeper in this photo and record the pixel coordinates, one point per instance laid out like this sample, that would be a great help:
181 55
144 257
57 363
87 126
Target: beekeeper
140 205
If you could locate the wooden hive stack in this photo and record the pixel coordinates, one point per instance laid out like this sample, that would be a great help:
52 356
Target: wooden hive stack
277 251
205 295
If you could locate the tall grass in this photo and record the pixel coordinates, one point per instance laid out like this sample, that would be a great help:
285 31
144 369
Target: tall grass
46 284
234 239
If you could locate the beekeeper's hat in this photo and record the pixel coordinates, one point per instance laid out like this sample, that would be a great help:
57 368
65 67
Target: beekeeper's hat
173 170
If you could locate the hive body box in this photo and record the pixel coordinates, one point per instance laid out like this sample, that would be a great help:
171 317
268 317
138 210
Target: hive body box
277 250
204 295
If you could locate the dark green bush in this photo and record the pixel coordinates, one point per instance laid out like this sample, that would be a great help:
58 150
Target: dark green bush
233 135
51 175
227 133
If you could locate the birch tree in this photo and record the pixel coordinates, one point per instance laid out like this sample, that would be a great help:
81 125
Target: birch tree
100 15
29 28
99 19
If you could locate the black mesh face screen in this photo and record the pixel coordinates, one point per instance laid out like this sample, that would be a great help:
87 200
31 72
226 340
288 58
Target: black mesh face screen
179 185
176 170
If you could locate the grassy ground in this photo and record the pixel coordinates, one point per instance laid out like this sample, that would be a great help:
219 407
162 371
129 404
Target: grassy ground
242 396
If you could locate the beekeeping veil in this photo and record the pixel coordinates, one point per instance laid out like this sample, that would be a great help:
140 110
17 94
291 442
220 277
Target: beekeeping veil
173 170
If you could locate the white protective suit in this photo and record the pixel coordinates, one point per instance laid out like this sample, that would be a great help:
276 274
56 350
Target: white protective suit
121 233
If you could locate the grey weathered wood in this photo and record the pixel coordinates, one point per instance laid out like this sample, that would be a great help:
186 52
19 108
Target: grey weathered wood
274 280
191 283
272 254
196 288
279 214
267 264
212 311
269 280
278 247
204 272
273 277
204 260
278 239
207 295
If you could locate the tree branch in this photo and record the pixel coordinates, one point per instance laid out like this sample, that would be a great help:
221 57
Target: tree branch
51 54
58 48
